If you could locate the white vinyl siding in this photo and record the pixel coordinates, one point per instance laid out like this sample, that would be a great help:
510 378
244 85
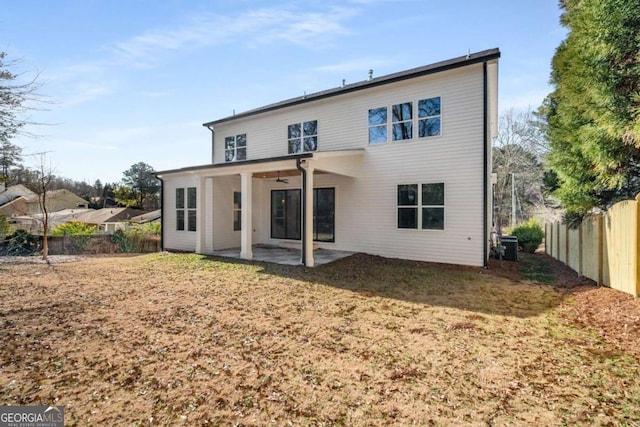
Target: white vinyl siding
181 240
366 205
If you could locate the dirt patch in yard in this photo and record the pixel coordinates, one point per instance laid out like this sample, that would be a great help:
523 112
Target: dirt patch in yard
612 314
187 340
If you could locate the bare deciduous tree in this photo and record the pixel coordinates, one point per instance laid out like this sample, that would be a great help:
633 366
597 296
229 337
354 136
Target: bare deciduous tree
45 178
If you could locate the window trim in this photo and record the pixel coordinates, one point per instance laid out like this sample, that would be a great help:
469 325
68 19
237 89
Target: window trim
402 122
414 122
237 211
423 206
420 206
192 209
303 136
420 119
235 148
384 125
415 207
180 210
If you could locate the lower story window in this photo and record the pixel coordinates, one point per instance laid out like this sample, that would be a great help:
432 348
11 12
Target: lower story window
180 209
191 209
186 213
286 214
237 211
421 209
433 206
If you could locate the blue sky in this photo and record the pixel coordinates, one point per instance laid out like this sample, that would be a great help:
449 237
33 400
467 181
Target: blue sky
133 80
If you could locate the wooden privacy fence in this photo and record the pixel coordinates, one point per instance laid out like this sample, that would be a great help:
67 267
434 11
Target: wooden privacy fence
605 248
101 244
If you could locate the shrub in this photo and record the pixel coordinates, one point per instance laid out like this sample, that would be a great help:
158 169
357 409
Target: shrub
133 239
73 228
20 243
529 234
78 233
4 226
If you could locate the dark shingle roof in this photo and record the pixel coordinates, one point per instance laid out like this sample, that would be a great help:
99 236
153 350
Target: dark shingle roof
449 64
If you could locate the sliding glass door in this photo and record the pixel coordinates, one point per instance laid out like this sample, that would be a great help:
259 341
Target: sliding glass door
286 214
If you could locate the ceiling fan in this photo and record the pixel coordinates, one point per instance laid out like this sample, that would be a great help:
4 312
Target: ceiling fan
284 181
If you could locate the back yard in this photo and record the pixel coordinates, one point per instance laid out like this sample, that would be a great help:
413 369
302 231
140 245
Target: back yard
170 339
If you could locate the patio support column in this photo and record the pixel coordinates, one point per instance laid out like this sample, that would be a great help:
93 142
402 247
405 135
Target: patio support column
245 216
201 214
308 220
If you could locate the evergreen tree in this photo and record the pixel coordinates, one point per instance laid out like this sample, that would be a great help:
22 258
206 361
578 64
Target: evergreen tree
593 114
10 156
140 187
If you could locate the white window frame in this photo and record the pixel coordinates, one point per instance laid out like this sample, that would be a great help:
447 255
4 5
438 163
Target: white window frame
384 125
414 121
188 210
181 209
402 122
234 150
420 206
419 119
236 210
302 137
423 206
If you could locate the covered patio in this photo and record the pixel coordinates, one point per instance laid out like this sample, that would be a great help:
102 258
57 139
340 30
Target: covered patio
286 256
305 166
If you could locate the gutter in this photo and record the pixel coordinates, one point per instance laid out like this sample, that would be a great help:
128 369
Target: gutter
450 64
485 183
213 134
303 200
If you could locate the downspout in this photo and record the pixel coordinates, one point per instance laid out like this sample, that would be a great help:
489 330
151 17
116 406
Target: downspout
161 213
303 172
485 182
213 133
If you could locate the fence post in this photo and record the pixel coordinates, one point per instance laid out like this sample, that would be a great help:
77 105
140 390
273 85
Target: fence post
580 258
637 246
601 249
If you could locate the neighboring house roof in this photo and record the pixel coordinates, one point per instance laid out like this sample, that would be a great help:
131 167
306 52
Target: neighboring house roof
14 192
60 217
147 217
56 194
461 61
15 207
101 216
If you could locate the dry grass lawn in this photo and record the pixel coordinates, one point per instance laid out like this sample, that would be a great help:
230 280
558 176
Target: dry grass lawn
170 339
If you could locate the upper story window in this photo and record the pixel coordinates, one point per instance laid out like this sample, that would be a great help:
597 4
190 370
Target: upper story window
402 121
402 115
303 137
378 125
429 117
235 148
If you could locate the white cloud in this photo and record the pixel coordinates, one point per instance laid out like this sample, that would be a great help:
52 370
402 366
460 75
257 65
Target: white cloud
78 83
256 27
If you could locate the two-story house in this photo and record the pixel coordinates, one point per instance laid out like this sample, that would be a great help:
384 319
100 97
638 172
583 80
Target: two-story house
397 166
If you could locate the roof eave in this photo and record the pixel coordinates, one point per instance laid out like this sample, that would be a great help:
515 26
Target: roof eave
462 61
